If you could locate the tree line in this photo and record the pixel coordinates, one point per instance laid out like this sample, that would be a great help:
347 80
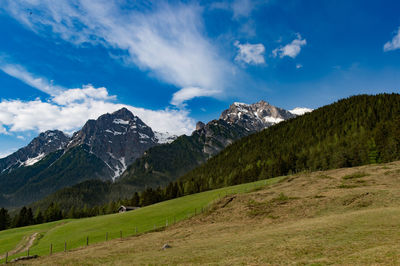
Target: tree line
355 131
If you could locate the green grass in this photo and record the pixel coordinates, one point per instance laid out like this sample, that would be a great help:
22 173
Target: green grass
75 231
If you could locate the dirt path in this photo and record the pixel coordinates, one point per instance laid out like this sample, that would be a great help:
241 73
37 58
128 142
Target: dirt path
24 245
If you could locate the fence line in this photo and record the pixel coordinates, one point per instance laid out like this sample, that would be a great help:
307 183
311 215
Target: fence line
155 225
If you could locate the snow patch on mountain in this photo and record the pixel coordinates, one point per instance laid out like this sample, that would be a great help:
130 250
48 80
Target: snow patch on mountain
143 136
164 137
32 161
273 120
120 121
300 110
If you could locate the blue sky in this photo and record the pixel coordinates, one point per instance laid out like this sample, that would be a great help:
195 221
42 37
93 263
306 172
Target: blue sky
176 62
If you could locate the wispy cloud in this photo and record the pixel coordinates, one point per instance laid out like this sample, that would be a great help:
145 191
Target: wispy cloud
239 8
394 44
22 74
250 53
69 109
185 94
167 40
292 49
3 130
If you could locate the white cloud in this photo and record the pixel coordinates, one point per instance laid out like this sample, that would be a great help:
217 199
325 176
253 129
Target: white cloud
188 93
69 109
394 44
167 40
292 49
38 115
250 53
298 66
84 94
22 74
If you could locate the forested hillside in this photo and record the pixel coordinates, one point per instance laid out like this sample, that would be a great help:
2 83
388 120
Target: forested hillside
165 163
355 131
32 183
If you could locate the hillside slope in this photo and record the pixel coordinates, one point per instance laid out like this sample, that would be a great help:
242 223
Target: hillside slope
75 231
344 216
354 131
55 171
165 163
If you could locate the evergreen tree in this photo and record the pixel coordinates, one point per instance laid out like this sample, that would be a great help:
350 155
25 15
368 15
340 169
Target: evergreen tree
5 220
135 201
38 217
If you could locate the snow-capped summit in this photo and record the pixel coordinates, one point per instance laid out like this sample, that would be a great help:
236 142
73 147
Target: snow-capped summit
255 117
300 110
117 139
44 144
164 137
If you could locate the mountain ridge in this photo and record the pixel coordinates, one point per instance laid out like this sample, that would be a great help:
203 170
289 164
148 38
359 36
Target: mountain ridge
131 153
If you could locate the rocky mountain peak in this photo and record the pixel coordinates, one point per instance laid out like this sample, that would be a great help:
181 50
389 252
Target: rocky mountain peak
255 117
117 138
44 144
123 113
199 125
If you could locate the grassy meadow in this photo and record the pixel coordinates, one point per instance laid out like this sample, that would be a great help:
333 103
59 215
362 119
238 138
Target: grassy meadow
75 231
347 216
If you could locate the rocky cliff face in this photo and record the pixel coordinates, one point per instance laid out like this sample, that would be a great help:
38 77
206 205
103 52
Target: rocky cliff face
255 117
216 135
46 143
237 121
117 139
166 163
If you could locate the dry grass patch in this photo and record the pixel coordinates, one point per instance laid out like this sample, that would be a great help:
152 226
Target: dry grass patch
306 219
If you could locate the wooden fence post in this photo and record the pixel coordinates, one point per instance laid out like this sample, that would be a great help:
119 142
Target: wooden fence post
51 249
106 236
136 230
166 222
6 257
65 246
87 241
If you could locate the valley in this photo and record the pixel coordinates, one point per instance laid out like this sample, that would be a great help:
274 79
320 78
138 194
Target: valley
341 216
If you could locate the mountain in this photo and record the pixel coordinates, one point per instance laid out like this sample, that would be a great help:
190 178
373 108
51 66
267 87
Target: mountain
117 139
351 132
162 164
255 117
55 171
46 143
359 130
166 163
102 149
